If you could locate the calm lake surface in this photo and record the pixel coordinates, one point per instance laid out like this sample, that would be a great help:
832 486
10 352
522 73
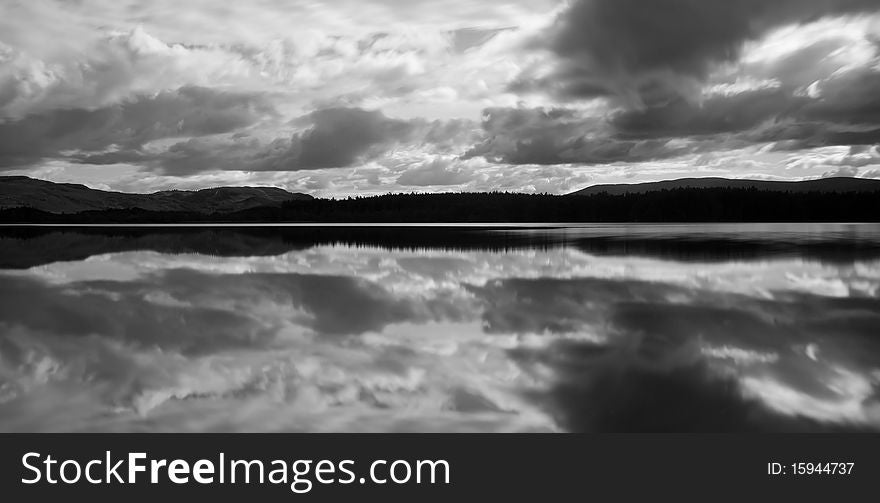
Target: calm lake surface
766 327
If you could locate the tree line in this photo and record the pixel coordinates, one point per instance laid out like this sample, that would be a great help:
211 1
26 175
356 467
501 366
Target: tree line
673 205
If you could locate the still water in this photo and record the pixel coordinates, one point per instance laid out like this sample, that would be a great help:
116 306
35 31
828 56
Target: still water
540 329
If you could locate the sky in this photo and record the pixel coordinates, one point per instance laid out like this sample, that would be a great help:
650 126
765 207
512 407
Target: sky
360 97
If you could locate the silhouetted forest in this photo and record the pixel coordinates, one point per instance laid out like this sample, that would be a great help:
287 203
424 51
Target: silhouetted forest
676 205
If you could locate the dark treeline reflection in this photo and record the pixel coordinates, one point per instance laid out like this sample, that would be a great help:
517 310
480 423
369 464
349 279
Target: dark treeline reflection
22 247
593 328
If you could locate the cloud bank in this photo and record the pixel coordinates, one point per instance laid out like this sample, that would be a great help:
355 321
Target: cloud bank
365 97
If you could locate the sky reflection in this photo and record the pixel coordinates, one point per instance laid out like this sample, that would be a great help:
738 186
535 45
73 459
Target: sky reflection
367 338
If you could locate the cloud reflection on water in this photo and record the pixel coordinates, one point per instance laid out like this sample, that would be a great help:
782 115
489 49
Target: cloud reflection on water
340 338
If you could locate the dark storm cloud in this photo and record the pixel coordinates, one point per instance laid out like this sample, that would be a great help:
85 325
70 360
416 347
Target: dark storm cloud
339 136
717 114
848 99
846 111
188 111
639 49
653 62
560 136
331 138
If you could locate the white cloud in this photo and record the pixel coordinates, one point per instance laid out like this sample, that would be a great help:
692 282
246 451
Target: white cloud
426 60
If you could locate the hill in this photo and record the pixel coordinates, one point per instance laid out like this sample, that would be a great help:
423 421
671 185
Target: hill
824 185
65 198
840 200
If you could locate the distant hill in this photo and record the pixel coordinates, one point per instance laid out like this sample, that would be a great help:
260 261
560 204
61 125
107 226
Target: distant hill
824 185
58 198
26 201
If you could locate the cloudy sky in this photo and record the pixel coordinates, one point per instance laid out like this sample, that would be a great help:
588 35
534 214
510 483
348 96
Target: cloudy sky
369 96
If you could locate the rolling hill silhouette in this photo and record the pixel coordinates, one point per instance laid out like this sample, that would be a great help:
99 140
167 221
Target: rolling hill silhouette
50 197
824 185
24 200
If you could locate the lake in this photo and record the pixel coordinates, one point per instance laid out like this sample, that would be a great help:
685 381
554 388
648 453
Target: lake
550 328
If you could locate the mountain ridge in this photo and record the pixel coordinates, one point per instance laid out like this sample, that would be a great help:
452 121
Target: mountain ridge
63 198
833 184
690 200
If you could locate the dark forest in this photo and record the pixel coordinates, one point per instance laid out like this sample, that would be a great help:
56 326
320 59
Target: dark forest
676 205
